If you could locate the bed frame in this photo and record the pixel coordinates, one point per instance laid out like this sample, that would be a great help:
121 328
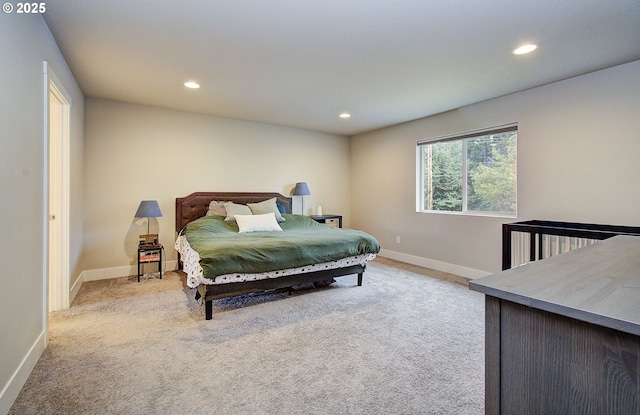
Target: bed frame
196 205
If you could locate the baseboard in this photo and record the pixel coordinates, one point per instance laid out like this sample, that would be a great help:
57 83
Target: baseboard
16 382
118 272
76 287
433 264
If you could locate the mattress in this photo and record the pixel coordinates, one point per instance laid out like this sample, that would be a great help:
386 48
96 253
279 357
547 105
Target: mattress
191 266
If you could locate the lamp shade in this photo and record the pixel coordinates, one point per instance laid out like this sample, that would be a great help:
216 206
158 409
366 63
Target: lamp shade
148 209
301 189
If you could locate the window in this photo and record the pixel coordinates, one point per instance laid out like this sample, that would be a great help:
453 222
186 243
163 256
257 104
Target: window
472 172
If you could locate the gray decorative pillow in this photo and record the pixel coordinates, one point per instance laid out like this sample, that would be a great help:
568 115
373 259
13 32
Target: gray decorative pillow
235 209
266 206
216 208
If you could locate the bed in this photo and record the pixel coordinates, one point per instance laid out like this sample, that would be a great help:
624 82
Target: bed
224 258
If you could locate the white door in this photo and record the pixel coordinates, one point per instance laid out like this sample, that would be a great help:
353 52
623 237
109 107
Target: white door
58 278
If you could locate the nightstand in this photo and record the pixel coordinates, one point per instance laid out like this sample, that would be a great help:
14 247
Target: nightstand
331 220
148 254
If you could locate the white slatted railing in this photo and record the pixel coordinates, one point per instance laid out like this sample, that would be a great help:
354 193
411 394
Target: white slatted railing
523 242
546 246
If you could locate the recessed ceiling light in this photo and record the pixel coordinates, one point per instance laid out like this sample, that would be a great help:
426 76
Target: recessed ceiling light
344 115
192 85
525 49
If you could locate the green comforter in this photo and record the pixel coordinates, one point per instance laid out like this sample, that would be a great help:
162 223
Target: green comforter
303 242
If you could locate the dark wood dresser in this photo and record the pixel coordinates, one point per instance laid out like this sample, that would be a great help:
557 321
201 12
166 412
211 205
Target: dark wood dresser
563 334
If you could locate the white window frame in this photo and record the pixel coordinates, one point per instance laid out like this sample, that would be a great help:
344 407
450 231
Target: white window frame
420 183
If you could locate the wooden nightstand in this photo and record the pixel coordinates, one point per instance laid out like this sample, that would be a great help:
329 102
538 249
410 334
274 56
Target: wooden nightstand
331 220
148 254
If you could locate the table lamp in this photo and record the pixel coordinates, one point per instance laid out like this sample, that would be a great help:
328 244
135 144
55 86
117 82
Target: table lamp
301 189
148 209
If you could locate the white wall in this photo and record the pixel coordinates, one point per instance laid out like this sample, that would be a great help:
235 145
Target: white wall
134 152
26 43
578 149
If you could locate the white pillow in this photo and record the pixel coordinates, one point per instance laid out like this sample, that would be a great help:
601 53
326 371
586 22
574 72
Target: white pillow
257 223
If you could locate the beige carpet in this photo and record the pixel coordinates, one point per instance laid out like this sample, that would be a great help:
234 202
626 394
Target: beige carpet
403 343
126 287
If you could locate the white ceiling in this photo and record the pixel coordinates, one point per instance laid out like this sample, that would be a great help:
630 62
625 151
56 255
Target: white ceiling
301 62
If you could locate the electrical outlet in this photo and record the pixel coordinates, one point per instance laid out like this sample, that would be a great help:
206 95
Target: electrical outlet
397 239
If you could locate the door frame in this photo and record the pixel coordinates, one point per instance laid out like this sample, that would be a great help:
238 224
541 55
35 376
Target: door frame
57 104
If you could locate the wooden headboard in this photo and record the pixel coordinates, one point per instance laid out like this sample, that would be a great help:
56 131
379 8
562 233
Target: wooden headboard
195 205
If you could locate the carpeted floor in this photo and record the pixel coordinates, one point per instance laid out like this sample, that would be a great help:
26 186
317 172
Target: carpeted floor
403 343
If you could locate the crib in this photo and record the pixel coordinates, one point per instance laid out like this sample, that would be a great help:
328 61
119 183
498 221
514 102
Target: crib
527 241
